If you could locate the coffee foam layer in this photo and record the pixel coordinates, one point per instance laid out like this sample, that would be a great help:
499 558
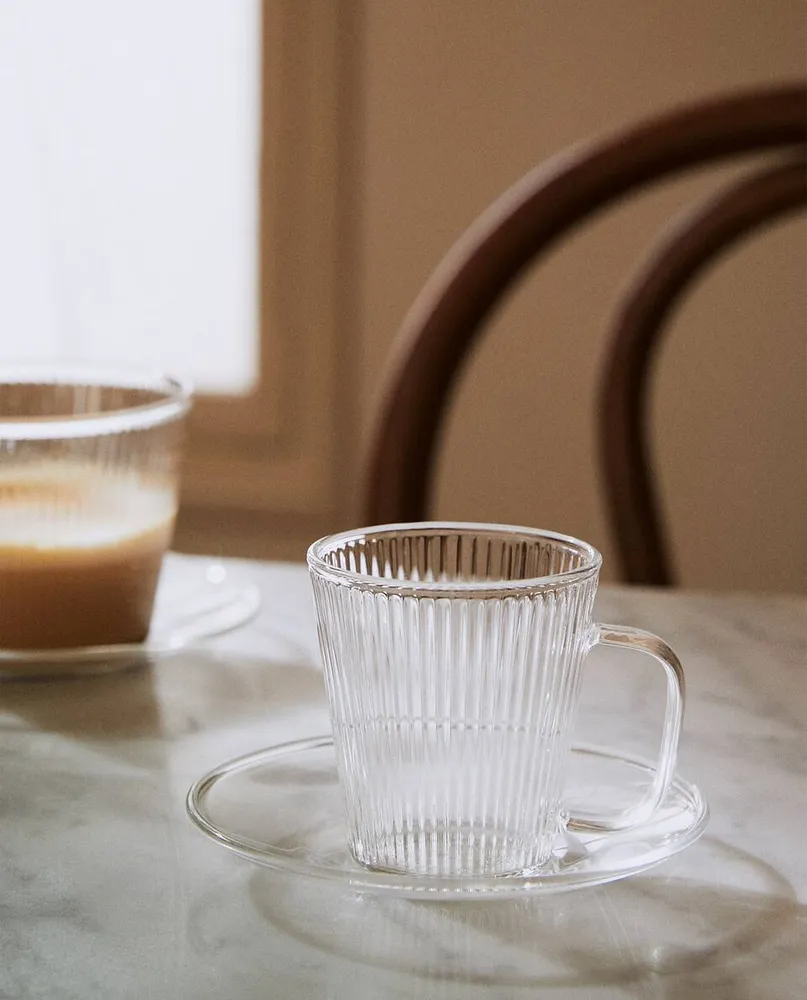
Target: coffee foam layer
59 507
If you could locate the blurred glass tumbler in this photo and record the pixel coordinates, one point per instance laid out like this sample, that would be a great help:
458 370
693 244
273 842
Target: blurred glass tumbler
89 473
452 657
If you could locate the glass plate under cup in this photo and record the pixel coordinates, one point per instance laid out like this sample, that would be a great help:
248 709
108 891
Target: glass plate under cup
282 808
194 601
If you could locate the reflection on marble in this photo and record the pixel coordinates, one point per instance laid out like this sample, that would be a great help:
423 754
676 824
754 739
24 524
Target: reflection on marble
107 890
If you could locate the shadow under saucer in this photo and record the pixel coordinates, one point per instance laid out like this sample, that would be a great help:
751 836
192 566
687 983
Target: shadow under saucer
711 923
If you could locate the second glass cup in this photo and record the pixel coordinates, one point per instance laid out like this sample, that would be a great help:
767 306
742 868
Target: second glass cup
452 656
89 475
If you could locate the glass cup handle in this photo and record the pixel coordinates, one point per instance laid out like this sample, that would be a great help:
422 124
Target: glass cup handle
645 642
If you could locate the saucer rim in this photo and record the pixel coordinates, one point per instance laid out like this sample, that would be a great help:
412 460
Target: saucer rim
361 879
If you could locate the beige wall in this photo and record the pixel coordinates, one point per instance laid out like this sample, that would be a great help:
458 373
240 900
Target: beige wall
460 98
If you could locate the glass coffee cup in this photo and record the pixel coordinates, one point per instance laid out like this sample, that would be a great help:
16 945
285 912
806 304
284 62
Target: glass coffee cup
89 480
452 657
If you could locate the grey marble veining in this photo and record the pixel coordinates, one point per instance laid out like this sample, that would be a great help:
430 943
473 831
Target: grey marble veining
106 890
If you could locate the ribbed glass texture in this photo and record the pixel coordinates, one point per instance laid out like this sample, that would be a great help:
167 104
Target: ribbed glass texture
89 468
452 658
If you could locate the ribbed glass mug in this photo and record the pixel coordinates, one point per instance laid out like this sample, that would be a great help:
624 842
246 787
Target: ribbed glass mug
452 656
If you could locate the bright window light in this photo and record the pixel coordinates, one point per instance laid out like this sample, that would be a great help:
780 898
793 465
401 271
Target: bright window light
129 184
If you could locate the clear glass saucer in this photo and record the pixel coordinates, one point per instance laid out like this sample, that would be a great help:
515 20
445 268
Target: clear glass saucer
281 808
195 600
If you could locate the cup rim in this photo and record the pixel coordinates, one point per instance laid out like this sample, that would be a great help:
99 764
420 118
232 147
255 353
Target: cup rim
175 402
318 565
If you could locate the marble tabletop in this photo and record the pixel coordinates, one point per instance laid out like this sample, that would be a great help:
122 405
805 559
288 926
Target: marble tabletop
107 890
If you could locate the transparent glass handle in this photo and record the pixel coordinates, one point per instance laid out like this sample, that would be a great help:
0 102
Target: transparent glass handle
645 642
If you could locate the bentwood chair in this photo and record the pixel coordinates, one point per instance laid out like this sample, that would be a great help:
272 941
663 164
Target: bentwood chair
521 227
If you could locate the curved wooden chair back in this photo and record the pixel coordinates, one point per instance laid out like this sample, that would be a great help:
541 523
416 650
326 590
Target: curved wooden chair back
524 224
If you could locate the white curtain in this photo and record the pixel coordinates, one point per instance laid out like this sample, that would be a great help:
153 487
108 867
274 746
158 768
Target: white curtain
128 184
